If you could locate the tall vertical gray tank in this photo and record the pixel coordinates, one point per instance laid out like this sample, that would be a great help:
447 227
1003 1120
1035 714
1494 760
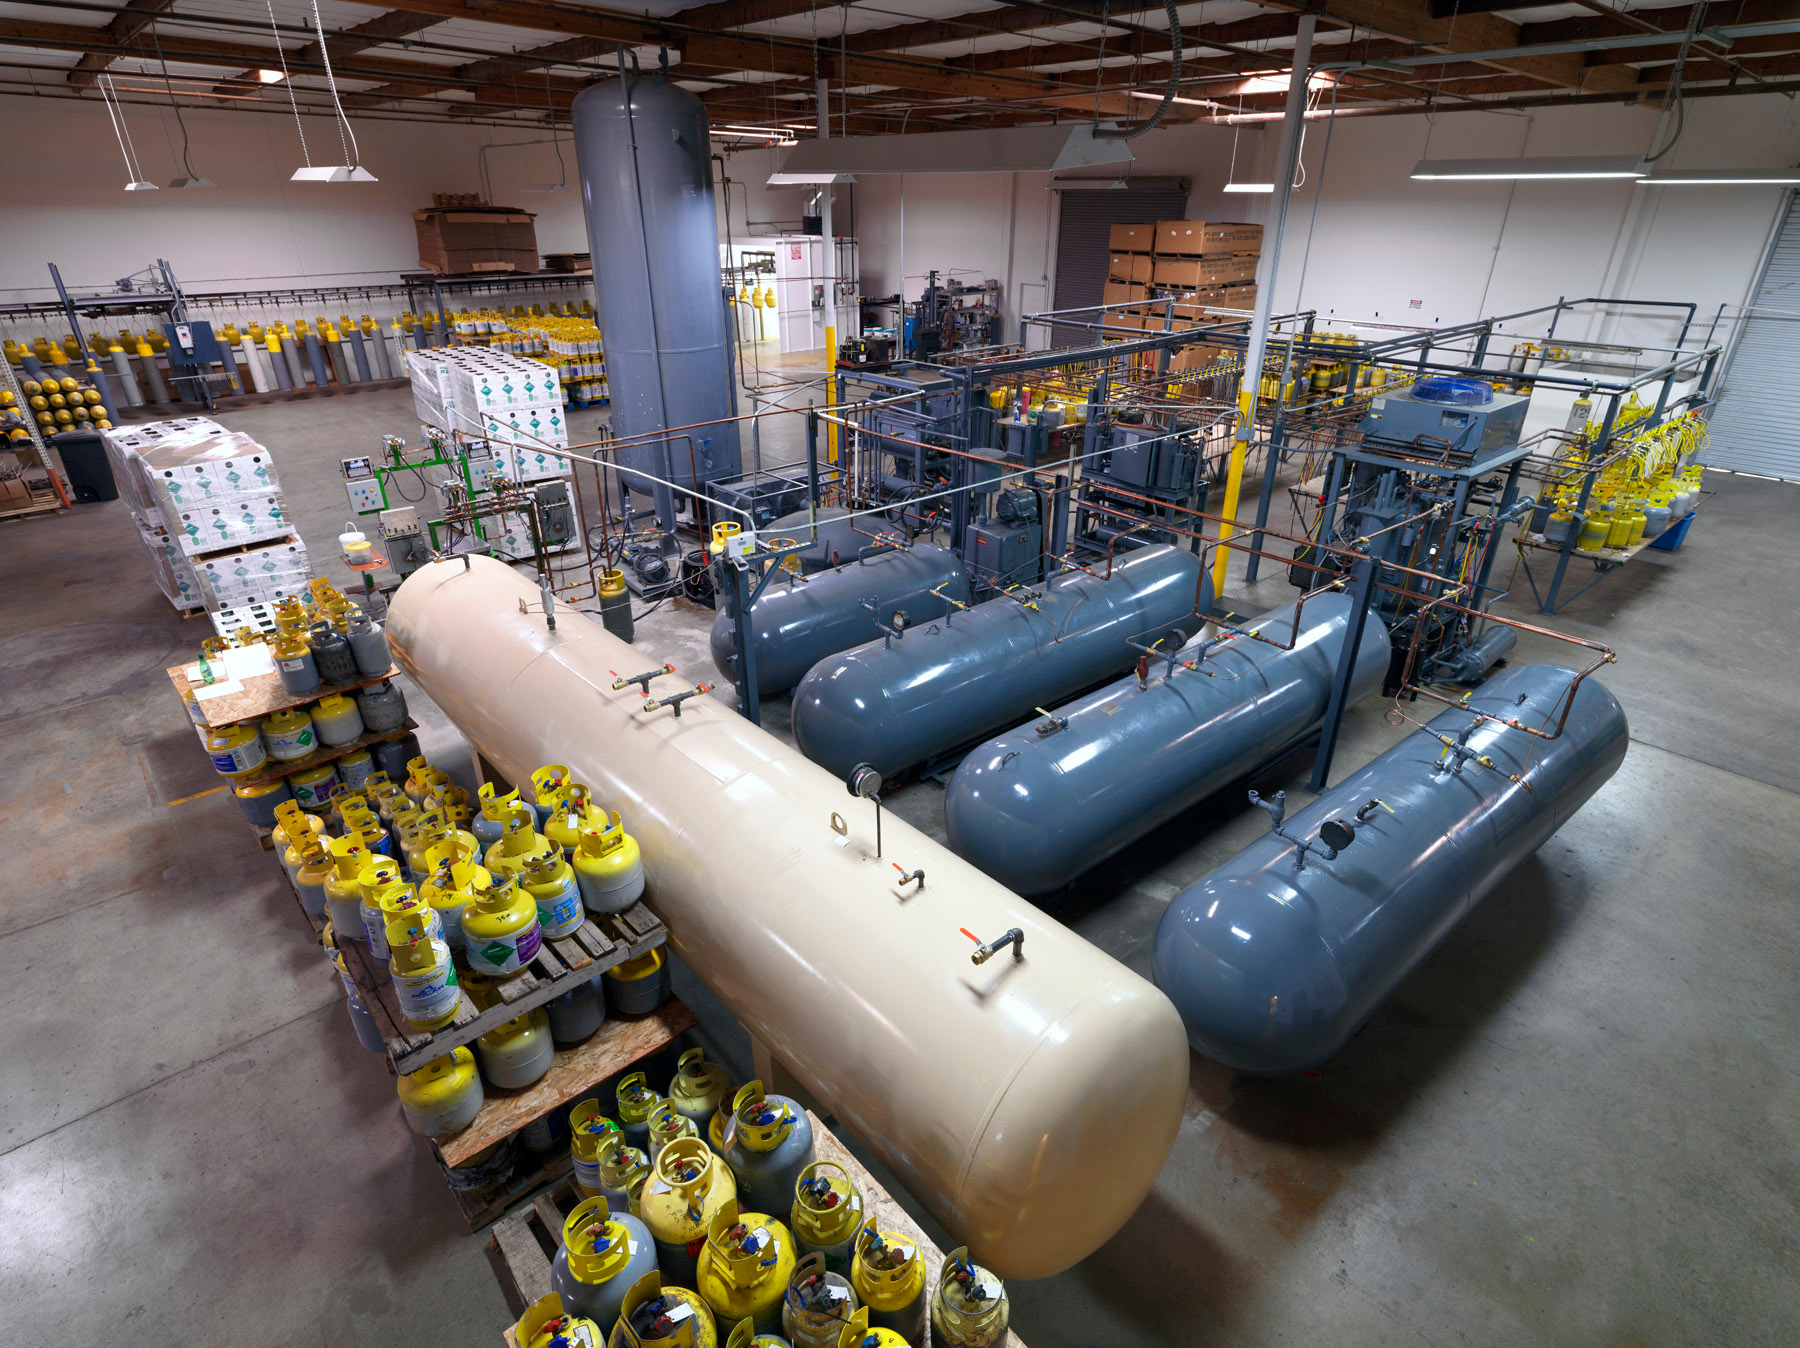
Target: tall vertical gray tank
1273 966
1040 805
646 184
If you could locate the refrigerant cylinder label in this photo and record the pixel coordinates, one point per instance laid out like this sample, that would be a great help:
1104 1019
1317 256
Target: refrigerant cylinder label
428 996
503 954
561 913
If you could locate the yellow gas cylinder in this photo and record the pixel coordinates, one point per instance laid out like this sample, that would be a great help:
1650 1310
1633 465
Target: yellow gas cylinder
551 884
517 1053
1595 529
450 888
1636 519
588 1131
548 784
424 979
378 874
1618 528
237 751
500 929
573 813
291 820
859 1333
389 800
698 1086
398 901
447 840
666 1125
688 1185
634 1100
827 1214
609 868
968 1307
405 828
658 1314
421 834
343 888
443 1096
301 840
744 1267
888 1272
415 787
623 1170
546 1324
309 879
489 824
638 986
519 846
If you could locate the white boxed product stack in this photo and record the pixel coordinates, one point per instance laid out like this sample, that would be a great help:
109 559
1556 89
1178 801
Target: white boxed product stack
197 490
512 401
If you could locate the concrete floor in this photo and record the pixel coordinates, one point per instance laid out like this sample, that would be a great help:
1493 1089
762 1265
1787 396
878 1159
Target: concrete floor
1578 1123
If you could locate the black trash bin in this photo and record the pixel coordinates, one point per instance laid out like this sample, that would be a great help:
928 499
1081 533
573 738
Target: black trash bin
84 460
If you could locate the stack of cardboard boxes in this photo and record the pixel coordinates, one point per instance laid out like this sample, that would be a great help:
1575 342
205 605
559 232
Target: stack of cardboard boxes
209 511
513 402
1201 264
470 239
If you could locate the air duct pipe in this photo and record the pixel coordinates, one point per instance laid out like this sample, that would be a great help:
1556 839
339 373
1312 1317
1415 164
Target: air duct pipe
1028 1101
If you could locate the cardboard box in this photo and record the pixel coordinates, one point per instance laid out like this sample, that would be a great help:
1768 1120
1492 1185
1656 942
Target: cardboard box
1131 238
1202 273
226 524
1121 292
1194 238
1129 267
466 239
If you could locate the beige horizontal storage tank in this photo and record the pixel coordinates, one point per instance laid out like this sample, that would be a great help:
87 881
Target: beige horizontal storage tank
1029 1104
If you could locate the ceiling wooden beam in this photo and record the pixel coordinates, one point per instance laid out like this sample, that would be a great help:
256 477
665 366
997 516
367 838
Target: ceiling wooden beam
125 25
373 32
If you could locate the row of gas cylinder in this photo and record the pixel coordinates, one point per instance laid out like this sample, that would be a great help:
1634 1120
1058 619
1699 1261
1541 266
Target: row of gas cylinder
445 910
707 1218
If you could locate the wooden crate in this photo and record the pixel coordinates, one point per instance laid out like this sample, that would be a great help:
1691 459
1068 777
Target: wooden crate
524 1242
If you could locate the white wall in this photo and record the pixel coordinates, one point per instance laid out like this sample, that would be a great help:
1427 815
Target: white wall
69 207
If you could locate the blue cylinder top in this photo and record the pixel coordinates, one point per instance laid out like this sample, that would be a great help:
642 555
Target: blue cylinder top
1443 388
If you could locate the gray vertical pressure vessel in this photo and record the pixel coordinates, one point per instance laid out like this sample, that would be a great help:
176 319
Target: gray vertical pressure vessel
1273 966
796 622
900 701
646 183
1038 806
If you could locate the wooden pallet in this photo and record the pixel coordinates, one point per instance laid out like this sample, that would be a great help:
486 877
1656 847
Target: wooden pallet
262 694
524 1242
33 510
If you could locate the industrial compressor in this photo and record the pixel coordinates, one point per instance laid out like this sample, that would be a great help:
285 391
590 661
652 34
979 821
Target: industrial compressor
1038 806
798 621
911 696
1071 1072
1276 958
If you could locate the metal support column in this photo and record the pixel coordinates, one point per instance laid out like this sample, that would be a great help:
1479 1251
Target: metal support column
1362 588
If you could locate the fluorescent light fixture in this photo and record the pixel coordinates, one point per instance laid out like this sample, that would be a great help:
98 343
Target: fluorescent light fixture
140 186
779 137
337 173
808 179
271 76
1278 83
1536 166
192 182
1264 188
1720 177
1016 149
1191 102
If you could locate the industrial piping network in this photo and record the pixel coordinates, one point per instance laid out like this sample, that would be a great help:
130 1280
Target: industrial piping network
1028 1097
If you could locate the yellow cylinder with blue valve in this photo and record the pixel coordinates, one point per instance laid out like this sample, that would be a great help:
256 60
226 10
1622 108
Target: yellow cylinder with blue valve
551 884
489 823
828 1213
609 867
698 1086
500 929
546 1323
744 1267
689 1187
449 889
519 846
588 1131
969 1307
573 814
665 1125
424 979
859 1333
888 1273
656 1314
547 786
416 785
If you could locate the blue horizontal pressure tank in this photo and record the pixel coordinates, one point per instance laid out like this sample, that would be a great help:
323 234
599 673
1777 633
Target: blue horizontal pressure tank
798 621
1038 806
1276 958
898 702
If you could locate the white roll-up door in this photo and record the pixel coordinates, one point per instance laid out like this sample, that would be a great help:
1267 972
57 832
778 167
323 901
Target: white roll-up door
1756 427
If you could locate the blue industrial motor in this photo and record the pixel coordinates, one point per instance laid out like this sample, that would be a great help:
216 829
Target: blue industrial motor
798 622
898 702
1038 806
1276 958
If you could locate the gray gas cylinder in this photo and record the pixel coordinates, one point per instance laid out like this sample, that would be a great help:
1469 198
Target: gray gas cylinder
900 701
368 644
383 707
768 1142
601 1255
798 621
1038 806
1275 959
646 182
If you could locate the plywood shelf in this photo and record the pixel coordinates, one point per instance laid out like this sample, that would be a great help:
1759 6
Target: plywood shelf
262 695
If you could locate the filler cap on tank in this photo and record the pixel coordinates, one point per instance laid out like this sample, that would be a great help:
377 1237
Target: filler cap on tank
1453 392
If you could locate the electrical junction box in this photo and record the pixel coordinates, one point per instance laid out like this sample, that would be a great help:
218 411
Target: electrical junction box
362 486
1404 418
484 465
400 522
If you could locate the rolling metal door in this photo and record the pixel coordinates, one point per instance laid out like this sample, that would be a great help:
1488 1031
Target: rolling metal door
1756 428
1086 220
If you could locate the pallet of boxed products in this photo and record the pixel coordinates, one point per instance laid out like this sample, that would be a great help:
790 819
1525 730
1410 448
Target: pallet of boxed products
208 508
513 402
